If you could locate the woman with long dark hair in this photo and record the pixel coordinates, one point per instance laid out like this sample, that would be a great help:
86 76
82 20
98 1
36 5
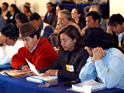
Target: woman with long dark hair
13 11
72 56
78 17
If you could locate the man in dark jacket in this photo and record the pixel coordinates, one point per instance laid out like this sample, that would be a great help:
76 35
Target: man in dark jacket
50 15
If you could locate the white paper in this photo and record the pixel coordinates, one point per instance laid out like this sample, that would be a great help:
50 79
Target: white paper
32 67
44 78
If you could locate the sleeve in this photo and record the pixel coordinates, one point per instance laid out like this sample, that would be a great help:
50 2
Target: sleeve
56 65
48 31
19 58
110 75
45 58
88 71
77 66
5 55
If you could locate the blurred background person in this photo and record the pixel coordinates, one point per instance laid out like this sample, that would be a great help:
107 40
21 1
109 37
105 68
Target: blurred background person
98 9
9 37
13 11
58 9
44 29
27 10
50 15
92 20
86 10
78 17
116 23
2 21
63 21
0 10
21 18
5 13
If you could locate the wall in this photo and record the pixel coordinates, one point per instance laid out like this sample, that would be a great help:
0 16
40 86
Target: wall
37 5
116 6
9 1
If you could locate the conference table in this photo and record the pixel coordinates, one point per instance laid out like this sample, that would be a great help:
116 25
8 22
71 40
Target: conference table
21 85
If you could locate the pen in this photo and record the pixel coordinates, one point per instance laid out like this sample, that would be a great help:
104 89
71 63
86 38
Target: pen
7 74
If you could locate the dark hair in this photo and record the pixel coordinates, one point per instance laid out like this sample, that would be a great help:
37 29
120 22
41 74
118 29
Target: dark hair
73 33
34 16
86 9
50 4
67 13
116 19
82 21
16 10
28 8
97 8
61 7
22 17
96 37
6 4
35 33
11 31
94 15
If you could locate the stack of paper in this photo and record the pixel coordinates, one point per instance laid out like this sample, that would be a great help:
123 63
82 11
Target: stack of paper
13 73
40 79
90 85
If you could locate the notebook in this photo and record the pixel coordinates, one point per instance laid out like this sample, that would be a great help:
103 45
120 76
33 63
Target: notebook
13 73
90 85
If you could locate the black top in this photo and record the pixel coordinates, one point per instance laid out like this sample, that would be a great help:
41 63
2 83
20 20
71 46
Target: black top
77 59
50 19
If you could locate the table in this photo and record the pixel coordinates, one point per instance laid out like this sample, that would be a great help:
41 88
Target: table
20 85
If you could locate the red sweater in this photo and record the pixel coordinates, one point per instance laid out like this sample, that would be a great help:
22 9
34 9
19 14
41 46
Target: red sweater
43 56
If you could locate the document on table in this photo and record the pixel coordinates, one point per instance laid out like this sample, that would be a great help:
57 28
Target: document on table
39 78
32 67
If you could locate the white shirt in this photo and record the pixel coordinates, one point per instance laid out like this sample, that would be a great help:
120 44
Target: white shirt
7 52
120 37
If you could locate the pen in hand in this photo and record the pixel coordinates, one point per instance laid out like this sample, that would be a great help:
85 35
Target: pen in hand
7 74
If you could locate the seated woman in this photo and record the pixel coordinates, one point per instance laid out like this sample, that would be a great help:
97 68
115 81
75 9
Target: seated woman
72 56
37 50
78 17
105 63
27 10
13 11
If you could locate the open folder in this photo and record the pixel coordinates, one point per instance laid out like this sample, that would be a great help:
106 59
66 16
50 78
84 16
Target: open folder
38 78
32 67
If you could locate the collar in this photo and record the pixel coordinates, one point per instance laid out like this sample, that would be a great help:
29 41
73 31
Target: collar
34 46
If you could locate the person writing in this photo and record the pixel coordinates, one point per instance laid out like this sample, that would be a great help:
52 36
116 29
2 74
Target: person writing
37 50
72 56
